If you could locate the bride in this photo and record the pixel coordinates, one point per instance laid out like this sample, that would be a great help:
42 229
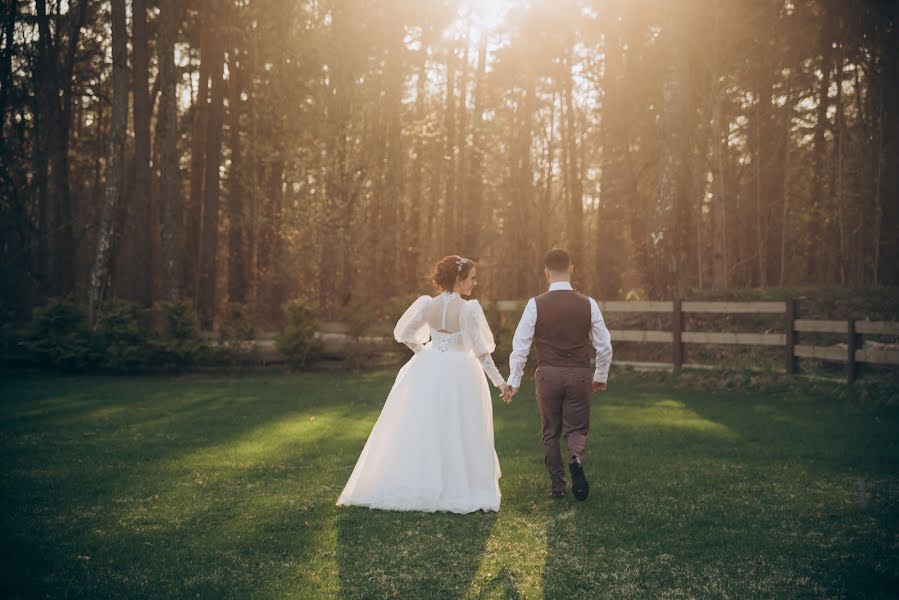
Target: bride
432 446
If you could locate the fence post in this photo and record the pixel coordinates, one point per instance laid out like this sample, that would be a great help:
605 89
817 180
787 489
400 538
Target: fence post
792 337
677 326
852 346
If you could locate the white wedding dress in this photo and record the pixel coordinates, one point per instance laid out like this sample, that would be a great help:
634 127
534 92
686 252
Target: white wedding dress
431 448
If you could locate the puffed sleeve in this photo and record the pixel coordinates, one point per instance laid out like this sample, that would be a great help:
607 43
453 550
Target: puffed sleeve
475 328
479 338
412 329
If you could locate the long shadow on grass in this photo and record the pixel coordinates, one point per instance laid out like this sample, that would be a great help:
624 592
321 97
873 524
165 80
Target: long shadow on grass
826 433
148 487
697 495
383 554
405 554
866 566
845 454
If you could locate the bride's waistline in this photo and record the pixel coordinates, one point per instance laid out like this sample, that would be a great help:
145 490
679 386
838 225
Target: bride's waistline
454 350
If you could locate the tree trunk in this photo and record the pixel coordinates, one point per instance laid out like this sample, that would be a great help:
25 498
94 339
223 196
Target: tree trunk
414 222
616 184
476 214
167 151
337 190
434 232
841 136
889 219
888 272
394 174
15 244
813 267
545 206
450 239
720 263
53 86
253 171
460 173
788 141
275 247
206 296
667 237
64 251
237 218
9 27
191 255
101 274
760 162
878 187
522 182
575 209
143 227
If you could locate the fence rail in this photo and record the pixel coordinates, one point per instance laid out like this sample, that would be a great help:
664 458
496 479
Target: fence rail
853 350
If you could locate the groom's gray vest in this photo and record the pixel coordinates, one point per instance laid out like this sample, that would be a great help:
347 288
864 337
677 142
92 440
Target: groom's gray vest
562 333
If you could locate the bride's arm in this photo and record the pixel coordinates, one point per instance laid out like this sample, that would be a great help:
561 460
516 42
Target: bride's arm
491 371
480 338
415 346
411 329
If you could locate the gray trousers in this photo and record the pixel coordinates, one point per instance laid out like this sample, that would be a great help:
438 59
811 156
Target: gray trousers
563 396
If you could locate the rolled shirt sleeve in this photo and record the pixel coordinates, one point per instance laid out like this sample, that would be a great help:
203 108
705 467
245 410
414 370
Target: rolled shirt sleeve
521 343
602 343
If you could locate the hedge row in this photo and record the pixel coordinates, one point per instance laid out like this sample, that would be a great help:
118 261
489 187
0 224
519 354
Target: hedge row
126 338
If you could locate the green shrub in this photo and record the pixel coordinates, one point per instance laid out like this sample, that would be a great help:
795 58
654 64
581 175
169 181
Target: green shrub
363 320
298 342
179 345
360 318
236 335
124 342
237 325
10 339
59 337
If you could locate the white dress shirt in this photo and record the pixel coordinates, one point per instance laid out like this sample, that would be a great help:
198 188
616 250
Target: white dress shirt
524 336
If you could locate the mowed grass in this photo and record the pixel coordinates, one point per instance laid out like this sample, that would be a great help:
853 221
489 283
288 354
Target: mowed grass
224 487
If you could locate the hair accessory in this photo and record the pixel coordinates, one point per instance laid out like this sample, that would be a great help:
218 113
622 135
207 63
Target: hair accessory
461 262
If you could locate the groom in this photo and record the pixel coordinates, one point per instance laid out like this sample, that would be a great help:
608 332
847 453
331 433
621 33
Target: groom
563 325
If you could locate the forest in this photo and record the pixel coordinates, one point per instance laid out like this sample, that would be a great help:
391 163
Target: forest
260 151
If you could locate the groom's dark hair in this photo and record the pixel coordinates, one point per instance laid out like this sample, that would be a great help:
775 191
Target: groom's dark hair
557 260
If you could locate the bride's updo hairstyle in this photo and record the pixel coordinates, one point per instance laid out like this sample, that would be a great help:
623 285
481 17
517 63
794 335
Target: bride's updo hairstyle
449 270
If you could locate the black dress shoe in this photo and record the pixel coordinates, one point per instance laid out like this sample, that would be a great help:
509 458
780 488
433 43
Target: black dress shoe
579 486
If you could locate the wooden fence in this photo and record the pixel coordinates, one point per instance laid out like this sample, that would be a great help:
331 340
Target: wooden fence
853 350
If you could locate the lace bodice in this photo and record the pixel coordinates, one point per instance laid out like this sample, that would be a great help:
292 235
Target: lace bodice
452 324
443 341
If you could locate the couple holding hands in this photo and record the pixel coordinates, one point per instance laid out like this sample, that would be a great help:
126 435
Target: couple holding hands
431 448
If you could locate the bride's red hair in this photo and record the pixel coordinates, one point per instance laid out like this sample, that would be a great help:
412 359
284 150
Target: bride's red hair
450 269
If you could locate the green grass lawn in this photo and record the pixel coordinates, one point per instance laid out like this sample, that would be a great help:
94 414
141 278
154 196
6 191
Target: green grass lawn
213 487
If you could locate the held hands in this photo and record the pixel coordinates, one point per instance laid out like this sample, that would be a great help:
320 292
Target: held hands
507 392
